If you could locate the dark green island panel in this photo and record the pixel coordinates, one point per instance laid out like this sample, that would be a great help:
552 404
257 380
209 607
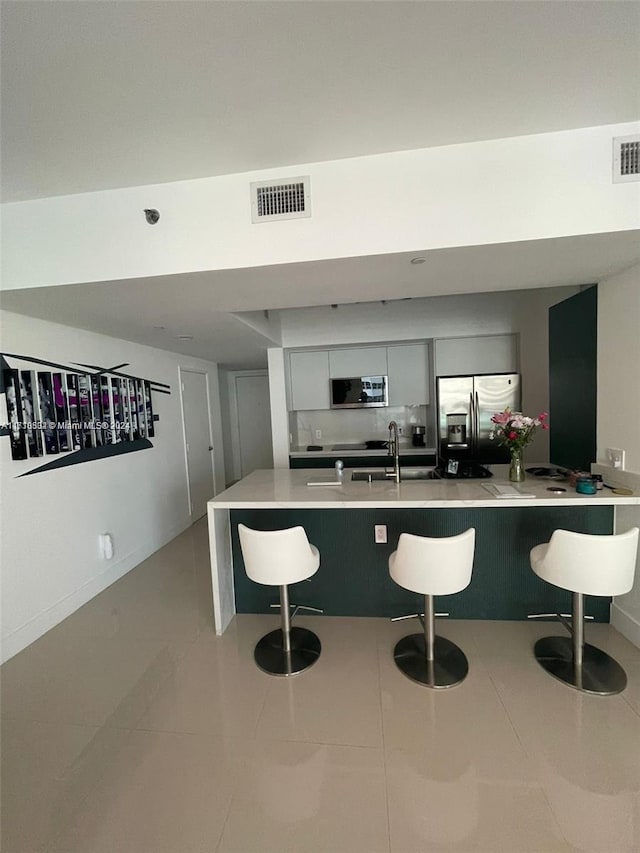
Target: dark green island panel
353 579
413 460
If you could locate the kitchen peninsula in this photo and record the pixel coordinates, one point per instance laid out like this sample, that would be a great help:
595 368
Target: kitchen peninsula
353 578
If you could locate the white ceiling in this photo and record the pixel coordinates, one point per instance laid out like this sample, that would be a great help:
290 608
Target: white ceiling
185 303
99 95
104 94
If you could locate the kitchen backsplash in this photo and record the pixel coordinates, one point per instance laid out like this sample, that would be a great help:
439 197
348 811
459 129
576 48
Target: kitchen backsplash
357 425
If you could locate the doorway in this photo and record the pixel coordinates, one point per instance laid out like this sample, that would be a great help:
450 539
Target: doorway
253 407
196 419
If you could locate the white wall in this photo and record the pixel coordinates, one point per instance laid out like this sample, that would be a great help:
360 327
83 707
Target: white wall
279 414
225 379
517 311
625 610
496 191
51 520
619 366
619 411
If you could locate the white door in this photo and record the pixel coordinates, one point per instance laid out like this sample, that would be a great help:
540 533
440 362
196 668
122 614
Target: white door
197 436
254 423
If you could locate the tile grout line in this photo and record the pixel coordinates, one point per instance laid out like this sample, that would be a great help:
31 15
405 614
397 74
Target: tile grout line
261 711
234 789
529 759
384 749
89 790
628 701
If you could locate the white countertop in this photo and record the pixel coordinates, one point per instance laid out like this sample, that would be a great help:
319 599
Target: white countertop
282 488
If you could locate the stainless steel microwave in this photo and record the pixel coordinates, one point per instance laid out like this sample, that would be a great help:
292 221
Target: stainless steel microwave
359 392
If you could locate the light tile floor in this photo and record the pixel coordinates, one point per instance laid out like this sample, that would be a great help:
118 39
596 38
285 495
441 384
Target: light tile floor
132 728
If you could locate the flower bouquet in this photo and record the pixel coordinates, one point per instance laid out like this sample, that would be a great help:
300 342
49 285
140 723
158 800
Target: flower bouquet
515 430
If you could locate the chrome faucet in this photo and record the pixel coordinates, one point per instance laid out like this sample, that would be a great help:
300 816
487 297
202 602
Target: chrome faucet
394 450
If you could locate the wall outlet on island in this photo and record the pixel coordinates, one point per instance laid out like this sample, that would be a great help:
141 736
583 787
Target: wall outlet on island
615 457
318 434
380 534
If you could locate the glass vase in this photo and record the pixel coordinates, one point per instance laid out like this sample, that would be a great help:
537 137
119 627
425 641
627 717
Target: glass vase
516 468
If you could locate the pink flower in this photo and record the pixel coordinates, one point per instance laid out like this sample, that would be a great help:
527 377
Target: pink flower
515 429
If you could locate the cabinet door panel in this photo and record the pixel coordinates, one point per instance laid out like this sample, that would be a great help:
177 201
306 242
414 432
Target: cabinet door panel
408 375
573 374
487 354
358 361
309 380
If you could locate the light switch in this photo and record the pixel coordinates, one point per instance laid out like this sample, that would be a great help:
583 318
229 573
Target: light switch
615 457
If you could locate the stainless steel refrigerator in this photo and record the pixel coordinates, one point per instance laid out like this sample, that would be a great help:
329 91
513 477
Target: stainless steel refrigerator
466 405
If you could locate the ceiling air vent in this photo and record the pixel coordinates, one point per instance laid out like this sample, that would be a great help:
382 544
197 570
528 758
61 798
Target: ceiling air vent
285 199
626 159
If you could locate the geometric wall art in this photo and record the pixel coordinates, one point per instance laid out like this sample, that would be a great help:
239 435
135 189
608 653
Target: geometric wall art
75 414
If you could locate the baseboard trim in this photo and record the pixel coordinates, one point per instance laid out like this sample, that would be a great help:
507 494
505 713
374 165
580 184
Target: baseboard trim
32 630
626 624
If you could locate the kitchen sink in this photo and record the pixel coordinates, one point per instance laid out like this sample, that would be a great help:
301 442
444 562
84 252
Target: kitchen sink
417 474
370 475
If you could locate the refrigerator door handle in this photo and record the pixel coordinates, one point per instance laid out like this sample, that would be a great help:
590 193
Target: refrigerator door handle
472 414
477 418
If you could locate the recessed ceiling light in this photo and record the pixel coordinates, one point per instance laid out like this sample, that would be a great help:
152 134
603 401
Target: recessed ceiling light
418 260
184 337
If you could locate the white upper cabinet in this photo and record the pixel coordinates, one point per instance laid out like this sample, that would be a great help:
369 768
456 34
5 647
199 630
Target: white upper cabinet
309 374
408 375
358 361
487 354
406 365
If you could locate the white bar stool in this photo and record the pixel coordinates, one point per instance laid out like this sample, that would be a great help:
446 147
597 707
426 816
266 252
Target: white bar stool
279 558
432 567
586 565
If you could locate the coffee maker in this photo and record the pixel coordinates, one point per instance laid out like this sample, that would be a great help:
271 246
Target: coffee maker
417 435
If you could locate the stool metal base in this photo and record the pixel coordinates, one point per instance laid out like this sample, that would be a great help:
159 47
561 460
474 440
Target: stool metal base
271 657
448 667
599 674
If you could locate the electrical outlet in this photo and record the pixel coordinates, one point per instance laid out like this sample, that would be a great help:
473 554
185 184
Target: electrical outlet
318 434
380 534
615 457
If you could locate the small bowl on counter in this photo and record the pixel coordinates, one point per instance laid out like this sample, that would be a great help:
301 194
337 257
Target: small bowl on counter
586 485
574 476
